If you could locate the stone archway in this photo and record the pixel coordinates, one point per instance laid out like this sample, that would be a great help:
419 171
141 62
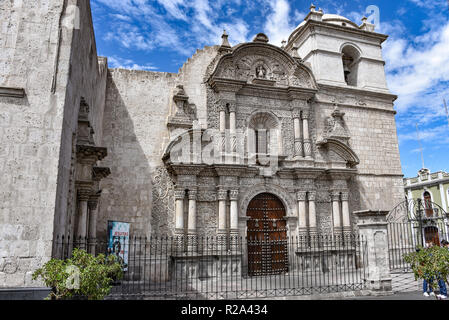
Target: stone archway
267 236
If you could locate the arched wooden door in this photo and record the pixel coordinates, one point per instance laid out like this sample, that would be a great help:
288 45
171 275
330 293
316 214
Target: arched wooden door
431 235
267 236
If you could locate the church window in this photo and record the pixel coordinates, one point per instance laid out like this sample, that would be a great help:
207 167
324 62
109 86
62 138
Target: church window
350 59
428 204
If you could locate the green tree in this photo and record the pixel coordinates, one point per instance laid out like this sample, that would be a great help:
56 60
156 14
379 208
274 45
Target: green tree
430 264
82 275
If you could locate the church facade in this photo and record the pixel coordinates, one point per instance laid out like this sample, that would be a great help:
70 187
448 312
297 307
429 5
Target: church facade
253 140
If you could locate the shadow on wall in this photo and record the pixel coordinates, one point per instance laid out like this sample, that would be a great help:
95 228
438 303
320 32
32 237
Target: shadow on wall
127 192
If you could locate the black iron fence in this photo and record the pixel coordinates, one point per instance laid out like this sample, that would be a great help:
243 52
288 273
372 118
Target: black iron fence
230 267
407 237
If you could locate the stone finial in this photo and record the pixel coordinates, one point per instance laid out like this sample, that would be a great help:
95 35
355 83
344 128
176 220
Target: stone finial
366 25
283 43
320 10
312 7
225 42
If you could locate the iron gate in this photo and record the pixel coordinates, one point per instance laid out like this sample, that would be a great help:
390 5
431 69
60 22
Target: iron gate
412 224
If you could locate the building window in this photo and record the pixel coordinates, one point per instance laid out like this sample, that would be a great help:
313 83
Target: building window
350 58
428 204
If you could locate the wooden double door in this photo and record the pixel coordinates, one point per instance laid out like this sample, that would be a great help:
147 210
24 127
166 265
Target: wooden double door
267 236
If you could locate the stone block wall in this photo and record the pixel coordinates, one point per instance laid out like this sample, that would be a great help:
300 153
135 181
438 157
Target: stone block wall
46 64
135 133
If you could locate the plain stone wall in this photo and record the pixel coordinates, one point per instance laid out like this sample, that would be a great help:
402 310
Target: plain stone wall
138 103
33 185
30 135
135 133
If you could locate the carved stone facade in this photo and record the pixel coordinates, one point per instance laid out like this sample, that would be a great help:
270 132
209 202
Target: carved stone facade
188 151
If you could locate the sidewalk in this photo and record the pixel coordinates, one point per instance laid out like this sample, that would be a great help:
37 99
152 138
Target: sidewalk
397 296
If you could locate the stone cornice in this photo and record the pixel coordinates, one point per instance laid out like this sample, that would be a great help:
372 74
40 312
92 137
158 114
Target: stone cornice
358 91
310 24
187 169
12 92
230 170
229 85
341 174
308 173
85 151
285 93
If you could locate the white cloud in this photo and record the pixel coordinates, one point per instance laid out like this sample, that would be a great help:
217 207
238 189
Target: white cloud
278 26
418 72
121 63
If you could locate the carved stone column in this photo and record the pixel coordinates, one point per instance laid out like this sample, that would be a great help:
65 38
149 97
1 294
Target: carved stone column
93 213
84 193
179 211
222 197
336 211
312 212
306 134
233 126
222 110
191 222
302 219
345 212
234 195
297 127
192 212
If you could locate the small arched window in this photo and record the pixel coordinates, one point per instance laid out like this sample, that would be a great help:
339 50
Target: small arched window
350 59
428 204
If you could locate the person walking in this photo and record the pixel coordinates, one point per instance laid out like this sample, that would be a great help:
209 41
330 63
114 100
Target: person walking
427 289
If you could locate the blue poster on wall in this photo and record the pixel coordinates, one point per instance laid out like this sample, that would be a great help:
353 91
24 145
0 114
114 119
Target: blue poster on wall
118 241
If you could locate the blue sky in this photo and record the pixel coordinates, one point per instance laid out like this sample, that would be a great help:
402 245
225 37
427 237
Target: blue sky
160 35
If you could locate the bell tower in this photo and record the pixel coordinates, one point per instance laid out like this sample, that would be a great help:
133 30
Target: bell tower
340 52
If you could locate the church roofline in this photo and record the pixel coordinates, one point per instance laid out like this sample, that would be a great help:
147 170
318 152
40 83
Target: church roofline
297 33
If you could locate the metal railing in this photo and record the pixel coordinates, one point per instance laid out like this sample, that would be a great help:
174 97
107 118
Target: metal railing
193 267
406 237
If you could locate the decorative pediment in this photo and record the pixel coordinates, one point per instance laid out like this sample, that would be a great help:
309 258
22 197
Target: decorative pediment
261 63
337 151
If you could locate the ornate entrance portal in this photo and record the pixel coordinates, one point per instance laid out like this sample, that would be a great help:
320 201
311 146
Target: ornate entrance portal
267 236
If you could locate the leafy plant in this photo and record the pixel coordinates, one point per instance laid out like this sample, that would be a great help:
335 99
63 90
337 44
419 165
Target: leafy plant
430 264
82 275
